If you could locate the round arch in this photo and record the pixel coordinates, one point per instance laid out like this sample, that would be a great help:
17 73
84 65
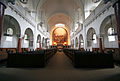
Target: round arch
11 32
59 18
43 42
62 31
39 38
11 22
90 34
109 41
29 37
38 41
81 40
76 42
51 37
107 22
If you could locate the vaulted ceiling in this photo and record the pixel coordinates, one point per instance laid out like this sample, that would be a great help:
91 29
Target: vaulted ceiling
60 11
59 18
60 6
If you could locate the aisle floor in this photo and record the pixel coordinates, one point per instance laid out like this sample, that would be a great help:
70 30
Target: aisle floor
59 68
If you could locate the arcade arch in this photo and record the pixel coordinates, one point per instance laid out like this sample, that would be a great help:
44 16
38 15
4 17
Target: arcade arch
28 38
10 32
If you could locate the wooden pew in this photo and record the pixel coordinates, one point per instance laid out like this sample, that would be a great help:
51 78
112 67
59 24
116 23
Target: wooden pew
30 59
85 59
3 55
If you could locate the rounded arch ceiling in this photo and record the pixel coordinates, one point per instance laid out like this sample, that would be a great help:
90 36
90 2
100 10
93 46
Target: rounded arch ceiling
60 31
59 18
53 9
55 6
52 6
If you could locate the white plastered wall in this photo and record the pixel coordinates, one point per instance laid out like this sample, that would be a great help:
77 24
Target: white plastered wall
96 24
24 24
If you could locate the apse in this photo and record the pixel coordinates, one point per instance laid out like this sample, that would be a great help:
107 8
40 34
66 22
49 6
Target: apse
60 35
63 22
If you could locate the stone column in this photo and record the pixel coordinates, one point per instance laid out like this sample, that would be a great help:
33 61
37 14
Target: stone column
79 45
73 46
2 10
40 45
100 44
46 44
19 44
117 14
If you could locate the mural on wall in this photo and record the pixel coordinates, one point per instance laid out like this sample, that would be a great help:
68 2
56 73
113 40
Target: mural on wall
60 36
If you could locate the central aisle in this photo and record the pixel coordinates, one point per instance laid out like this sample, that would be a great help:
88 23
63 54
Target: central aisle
59 68
59 61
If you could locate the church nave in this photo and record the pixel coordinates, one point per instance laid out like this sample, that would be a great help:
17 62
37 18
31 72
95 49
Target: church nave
59 40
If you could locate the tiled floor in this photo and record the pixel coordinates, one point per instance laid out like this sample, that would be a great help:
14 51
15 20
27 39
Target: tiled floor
59 68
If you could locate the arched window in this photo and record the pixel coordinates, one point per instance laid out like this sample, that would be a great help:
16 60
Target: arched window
43 42
82 42
111 31
94 38
76 42
26 37
60 25
9 31
38 39
111 36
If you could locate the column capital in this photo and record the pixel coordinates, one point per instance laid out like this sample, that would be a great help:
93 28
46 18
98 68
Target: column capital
19 36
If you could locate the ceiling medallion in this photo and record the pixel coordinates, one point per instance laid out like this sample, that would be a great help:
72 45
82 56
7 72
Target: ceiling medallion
24 1
95 1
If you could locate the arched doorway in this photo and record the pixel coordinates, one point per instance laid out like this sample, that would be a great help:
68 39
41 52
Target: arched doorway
28 39
43 42
39 41
59 36
11 32
81 41
91 38
60 20
76 42
107 32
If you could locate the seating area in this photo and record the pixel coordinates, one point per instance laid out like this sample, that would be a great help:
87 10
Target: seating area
3 55
87 59
30 59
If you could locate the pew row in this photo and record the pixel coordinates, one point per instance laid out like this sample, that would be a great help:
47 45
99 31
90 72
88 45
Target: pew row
85 59
3 56
30 59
